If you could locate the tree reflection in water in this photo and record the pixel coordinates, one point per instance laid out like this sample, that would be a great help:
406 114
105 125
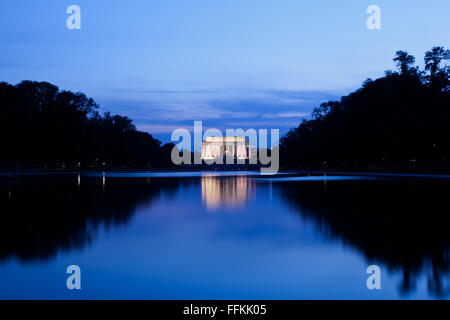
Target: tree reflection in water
403 224
42 215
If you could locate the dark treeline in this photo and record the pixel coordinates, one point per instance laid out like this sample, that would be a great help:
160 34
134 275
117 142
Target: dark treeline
401 120
400 224
43 127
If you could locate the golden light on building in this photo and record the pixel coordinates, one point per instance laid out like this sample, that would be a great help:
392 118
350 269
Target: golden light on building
233 147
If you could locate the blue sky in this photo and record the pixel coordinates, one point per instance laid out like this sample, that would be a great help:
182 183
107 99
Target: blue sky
231 63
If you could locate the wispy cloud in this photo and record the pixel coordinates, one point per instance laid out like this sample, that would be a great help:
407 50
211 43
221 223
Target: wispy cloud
160 111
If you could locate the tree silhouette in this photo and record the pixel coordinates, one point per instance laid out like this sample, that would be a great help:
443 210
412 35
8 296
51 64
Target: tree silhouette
404 62
399 121
438 77
43 127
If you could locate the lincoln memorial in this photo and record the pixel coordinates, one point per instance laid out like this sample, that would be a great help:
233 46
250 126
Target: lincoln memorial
228 147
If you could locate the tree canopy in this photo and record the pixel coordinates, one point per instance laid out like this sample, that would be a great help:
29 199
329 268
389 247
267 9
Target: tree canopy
47 128
399 120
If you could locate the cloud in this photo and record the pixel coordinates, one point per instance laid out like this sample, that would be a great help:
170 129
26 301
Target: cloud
159 111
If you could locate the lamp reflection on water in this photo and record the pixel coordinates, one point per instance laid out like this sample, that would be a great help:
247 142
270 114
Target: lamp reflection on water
218 192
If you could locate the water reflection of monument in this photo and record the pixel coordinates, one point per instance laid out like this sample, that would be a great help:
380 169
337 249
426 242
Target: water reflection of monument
226 191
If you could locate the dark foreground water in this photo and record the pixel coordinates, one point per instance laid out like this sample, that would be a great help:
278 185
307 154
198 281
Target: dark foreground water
202 236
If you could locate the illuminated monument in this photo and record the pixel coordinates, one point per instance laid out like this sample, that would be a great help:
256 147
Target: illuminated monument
229 147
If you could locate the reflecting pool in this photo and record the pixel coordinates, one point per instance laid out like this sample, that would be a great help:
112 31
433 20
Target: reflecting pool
231 235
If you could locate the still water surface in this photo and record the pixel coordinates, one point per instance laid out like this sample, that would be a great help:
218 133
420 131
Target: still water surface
223 236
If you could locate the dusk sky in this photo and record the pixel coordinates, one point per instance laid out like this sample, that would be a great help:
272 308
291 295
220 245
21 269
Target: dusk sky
230 63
